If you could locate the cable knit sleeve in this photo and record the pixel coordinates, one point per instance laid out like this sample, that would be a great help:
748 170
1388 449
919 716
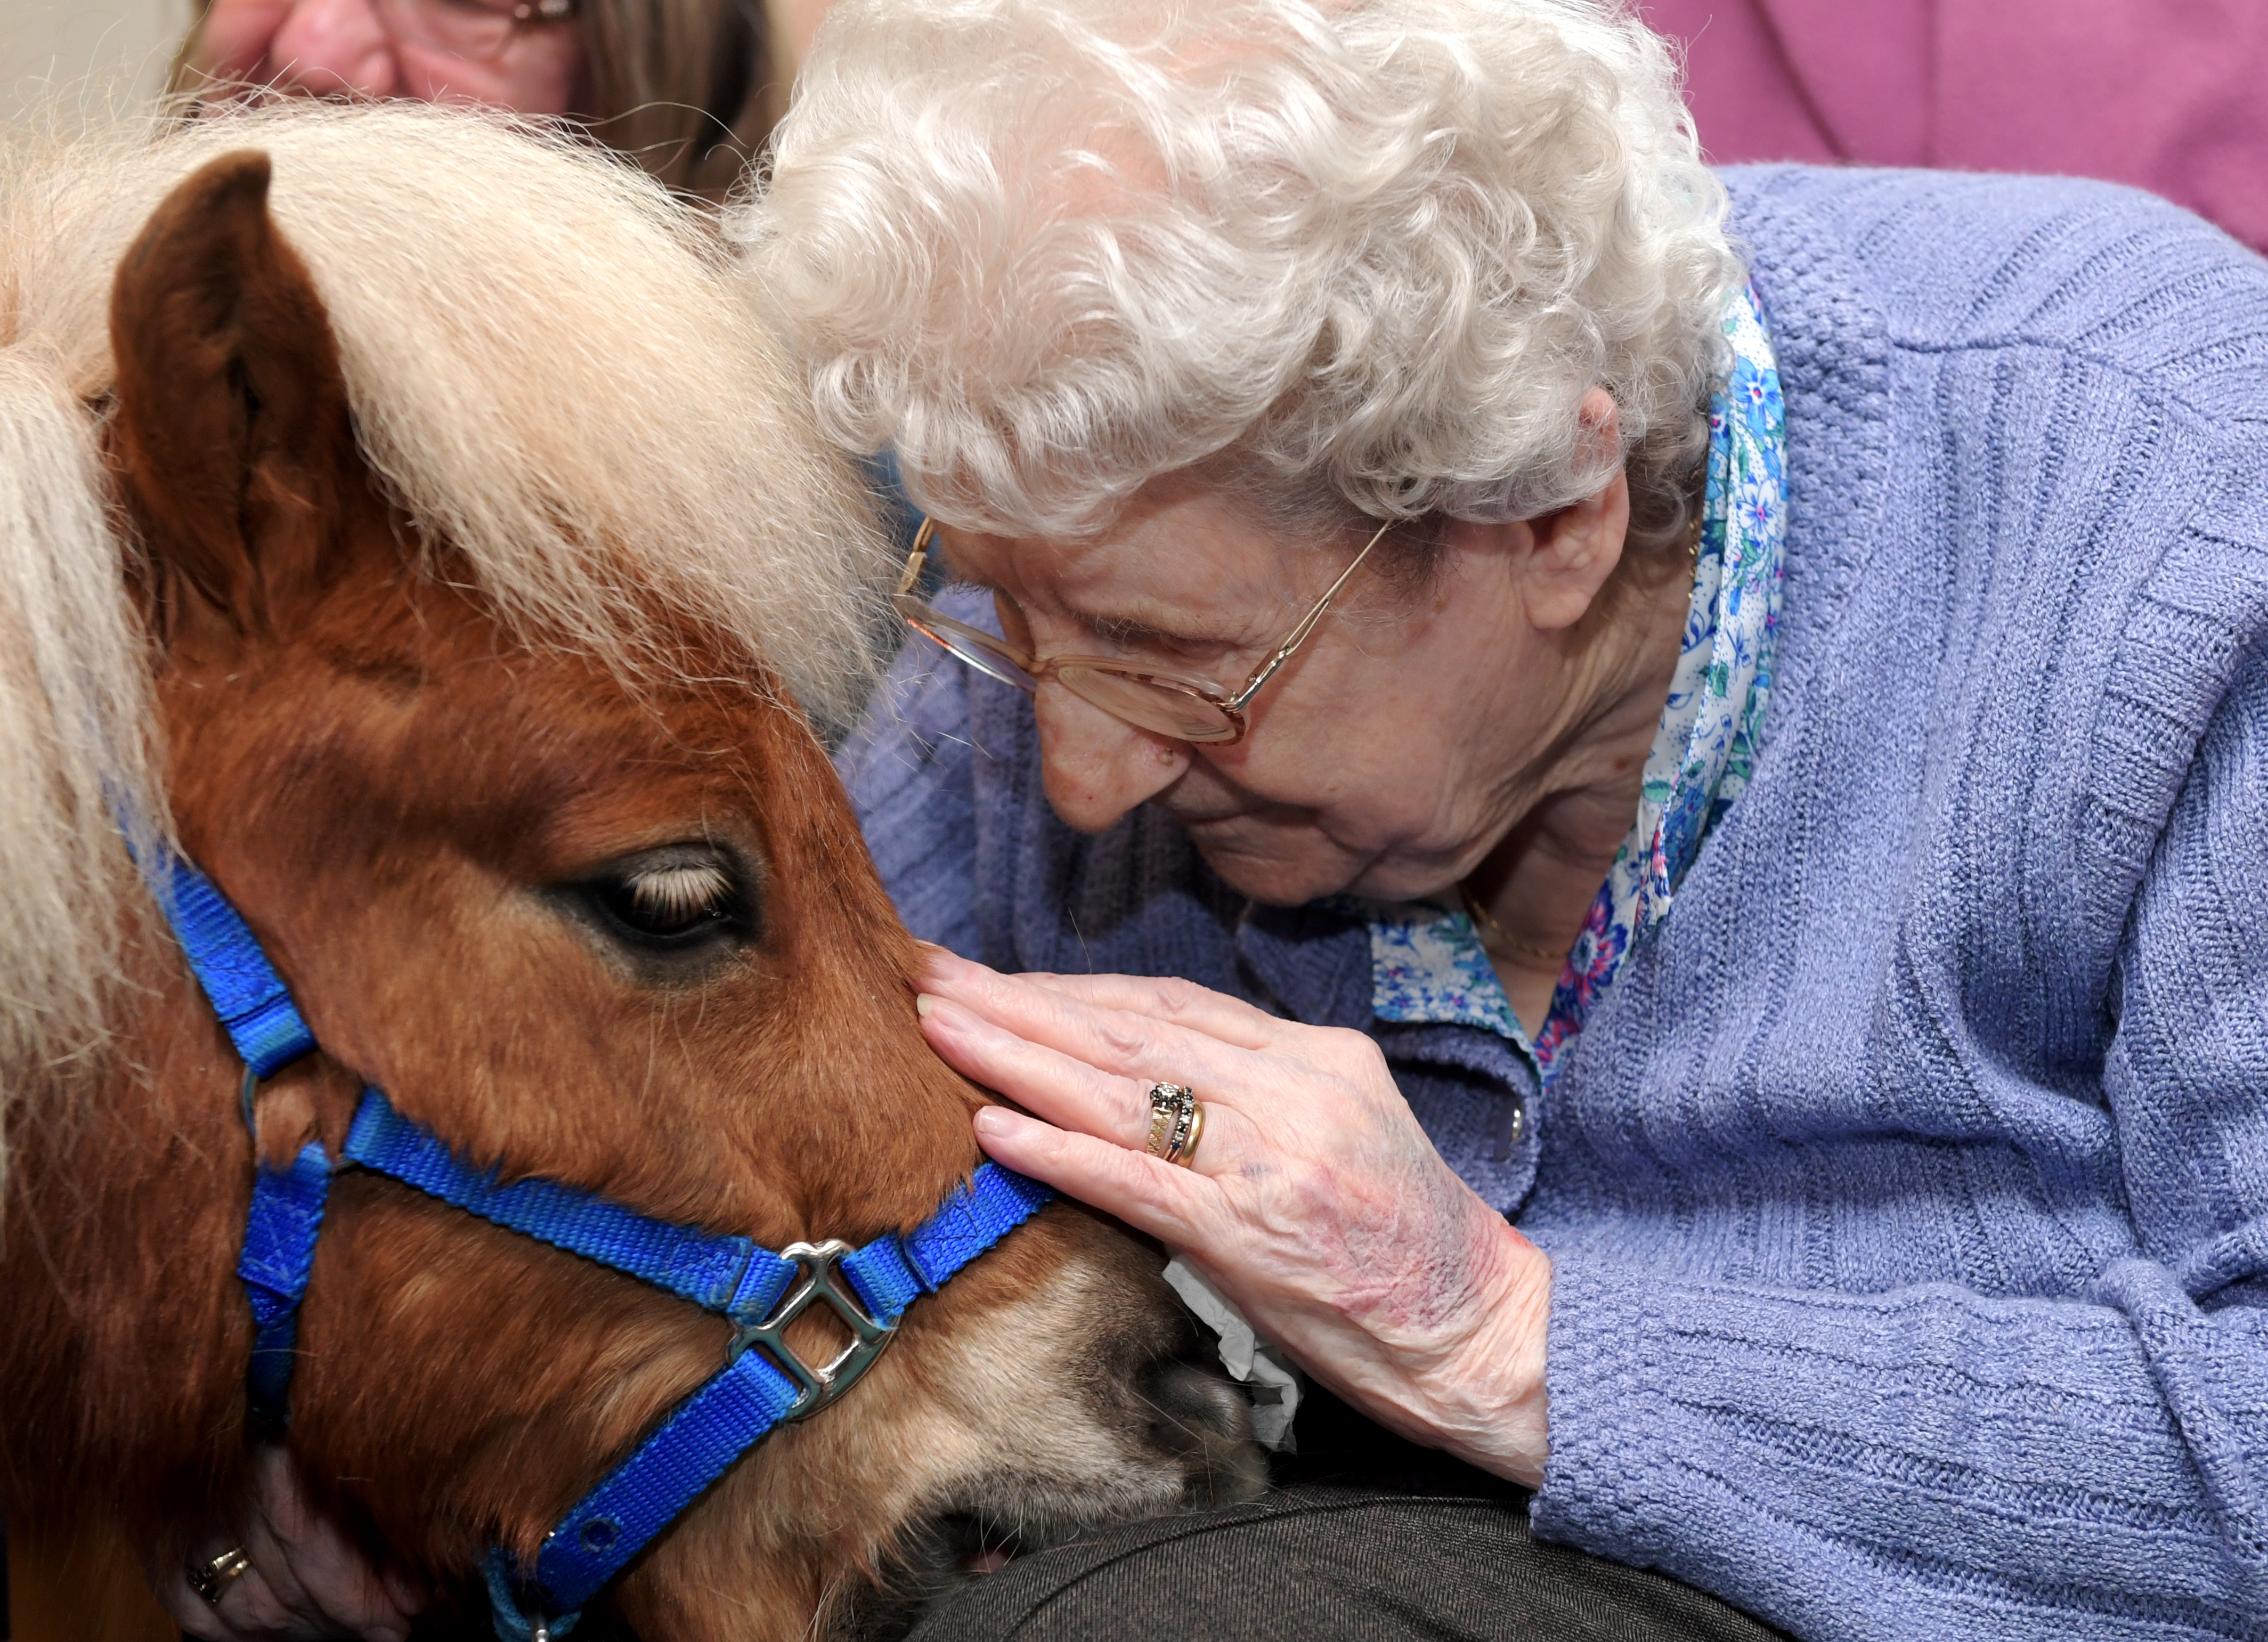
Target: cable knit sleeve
1932 1462
910 770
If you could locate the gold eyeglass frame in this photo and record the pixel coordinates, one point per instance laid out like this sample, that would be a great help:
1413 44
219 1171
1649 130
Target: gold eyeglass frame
508 18
1066 670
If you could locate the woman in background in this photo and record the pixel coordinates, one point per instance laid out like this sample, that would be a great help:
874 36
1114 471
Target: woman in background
687 88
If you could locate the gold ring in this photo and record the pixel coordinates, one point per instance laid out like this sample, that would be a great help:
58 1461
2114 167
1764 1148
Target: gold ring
211 1579
1176 1121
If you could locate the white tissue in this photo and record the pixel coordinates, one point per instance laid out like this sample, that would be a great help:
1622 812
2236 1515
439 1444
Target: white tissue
1275 1383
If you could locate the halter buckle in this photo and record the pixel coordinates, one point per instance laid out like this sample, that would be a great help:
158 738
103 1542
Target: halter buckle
821 1279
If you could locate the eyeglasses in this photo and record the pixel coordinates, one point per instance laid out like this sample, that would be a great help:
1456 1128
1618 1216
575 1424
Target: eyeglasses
475 30
1175 704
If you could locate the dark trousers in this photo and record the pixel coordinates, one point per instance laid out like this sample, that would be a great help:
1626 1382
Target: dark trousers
1364 1539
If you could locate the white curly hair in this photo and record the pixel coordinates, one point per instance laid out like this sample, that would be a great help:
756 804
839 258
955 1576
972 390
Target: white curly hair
1371 251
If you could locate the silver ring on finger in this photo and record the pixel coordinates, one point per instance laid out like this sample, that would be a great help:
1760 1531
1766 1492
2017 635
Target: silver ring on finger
212 1578
1176 1123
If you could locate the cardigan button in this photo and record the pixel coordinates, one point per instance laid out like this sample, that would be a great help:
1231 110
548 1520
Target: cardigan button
1510 1128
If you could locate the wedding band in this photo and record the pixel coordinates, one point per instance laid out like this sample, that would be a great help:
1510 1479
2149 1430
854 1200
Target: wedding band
1176 1121
1186 1156
211 1579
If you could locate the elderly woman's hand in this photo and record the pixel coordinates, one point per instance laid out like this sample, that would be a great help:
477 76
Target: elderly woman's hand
1316 1201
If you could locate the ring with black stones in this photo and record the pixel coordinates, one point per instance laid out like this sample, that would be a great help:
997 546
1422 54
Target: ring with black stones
1177 1121
210 1579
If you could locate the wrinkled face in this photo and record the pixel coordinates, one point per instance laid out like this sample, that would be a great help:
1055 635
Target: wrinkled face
1376 759
622 937
392 48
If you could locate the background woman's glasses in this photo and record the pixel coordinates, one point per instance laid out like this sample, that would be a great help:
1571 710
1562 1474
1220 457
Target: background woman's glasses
475 30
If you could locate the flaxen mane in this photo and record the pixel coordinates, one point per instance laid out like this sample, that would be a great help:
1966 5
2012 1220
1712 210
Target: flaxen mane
548 364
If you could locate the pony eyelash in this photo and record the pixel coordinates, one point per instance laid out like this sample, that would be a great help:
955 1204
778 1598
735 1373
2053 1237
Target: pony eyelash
680 892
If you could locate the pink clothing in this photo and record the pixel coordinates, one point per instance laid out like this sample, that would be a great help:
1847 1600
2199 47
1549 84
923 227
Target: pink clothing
2170 95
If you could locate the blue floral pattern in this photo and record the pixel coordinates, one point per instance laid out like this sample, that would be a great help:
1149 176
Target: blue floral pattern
1426 962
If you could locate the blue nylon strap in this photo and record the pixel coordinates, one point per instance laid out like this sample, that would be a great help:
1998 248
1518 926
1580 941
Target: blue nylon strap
278 1256
647 1491
726 1417
729 1275
890 1273
501 1570
265 1026
255 1007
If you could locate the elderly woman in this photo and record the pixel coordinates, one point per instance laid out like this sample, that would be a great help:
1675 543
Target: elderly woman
1698 772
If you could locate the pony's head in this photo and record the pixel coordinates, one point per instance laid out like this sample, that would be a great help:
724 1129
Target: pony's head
400 514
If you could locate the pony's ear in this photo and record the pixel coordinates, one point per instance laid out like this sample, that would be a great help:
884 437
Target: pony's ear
232 435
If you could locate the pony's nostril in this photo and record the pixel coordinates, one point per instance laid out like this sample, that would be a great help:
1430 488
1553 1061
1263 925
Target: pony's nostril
1202 1418
976 1544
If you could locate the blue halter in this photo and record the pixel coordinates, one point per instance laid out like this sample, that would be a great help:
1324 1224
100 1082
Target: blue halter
761 1291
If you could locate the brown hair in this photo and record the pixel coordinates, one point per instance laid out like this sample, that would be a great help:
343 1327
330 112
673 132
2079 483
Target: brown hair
686 88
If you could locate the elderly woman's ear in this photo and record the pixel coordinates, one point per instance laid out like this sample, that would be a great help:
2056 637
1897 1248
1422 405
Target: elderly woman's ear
1559 562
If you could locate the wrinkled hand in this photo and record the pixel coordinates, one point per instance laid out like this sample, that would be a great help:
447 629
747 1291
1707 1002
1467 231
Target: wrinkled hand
1316 1201
307 1577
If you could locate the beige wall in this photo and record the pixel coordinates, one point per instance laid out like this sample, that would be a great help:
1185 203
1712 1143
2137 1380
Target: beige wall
111 50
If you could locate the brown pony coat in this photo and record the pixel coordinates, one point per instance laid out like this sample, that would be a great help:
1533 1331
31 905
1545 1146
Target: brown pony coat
400 795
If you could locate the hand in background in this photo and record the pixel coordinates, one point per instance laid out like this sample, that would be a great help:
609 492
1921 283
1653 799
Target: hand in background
307 1577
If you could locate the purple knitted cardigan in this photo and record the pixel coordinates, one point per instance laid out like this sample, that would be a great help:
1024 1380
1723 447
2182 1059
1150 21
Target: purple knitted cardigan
1908 1194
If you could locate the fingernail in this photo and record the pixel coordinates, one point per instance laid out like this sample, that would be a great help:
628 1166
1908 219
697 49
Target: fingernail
995 1121
925 1003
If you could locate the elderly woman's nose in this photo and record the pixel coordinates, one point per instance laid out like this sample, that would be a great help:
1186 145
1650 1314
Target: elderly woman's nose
330 46
1095 767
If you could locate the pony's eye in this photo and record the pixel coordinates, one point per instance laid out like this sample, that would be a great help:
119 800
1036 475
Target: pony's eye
682 899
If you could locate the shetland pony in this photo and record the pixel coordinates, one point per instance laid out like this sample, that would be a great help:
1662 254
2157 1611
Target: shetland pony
401 516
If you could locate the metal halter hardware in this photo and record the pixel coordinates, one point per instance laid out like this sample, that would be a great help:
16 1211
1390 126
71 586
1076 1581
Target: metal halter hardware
762 1291
820 1278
